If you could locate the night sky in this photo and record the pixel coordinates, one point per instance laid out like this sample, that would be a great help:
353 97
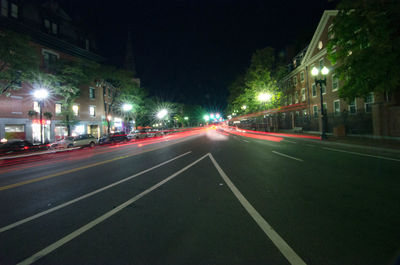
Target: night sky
189 51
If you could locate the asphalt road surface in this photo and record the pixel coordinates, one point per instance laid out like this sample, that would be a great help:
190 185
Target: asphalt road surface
203 198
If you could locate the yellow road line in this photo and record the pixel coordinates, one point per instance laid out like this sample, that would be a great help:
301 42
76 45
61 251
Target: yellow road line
76 169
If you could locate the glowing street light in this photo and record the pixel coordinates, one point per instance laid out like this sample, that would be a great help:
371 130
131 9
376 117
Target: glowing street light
264 97
127 107
217 116
186 118
244 107
162 114
41 94
321 82
212 116
206 118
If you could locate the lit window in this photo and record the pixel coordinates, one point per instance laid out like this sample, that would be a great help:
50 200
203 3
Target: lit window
315 111
92 111
335 83
58 108
303 94
75 109
336 107
92 94
14 10
353 107
314 90
4 8
369 100
36 106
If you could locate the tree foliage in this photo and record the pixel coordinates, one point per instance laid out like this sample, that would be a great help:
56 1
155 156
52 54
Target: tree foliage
18 61
365 46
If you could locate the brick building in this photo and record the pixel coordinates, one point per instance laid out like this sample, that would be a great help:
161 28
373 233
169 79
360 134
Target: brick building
54 36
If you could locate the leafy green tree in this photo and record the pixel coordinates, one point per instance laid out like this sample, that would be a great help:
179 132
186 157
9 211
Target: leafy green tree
365 46
19 61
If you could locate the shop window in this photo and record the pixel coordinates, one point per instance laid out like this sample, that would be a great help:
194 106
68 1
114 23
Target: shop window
15 131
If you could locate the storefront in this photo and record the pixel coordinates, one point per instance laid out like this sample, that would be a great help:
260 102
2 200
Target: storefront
46 124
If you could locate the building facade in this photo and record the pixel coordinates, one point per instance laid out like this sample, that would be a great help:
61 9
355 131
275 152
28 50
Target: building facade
54 37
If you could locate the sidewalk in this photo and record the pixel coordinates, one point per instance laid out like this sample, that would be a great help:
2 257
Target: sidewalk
37 153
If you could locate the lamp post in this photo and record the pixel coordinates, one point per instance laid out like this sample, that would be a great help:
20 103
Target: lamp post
161 116
126 108
315 72
41 94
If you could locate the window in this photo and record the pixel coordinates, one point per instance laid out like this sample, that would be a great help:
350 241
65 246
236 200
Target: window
49 59
4 8
295 80
323 88
290 99
303 94
54 28
58 109
14 131
302 76
36 106
321 63
92 94
320 45
335 83
336 107
296 97
369 100
75 109
352 107
92 111
14 10
47 24
315 111
314 90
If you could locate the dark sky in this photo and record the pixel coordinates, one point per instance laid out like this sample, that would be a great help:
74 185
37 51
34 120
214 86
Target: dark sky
191 50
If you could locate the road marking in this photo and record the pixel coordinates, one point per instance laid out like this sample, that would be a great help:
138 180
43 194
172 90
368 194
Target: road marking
298 159
288 141
14 185
246 141
102 218
28 219
278 241
361 154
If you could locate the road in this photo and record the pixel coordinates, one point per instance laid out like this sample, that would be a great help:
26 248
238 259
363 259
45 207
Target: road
207 197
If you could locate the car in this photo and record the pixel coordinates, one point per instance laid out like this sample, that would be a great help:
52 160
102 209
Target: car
82 140
17 145
114 138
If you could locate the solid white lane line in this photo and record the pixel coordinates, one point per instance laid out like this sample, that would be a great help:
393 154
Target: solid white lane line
20 222
100 219
295 158
246 141
278 241
361 154
288 141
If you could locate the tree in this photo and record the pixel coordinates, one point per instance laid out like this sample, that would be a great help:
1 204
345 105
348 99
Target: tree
365 46
19 61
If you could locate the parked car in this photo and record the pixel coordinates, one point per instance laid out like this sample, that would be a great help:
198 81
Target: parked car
77 141
153 133
114 138
18 145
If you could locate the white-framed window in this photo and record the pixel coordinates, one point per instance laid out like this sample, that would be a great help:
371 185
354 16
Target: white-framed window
296 97
303 94
335 83
315 111
58 108
92 111
47 24
323 88
302 76
92 94
14 10
4 8
353 107
290 99
75 109
369 100
336 107
36 106
295 80
49 58
54 28
313 90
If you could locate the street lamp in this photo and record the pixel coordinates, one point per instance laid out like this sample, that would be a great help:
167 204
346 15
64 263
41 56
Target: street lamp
264 97
127 107
41 94
244 107
162 113
314 72
206 118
